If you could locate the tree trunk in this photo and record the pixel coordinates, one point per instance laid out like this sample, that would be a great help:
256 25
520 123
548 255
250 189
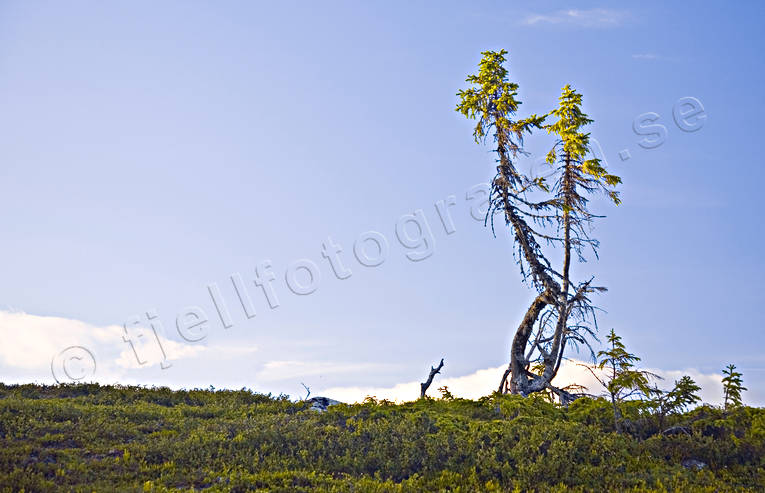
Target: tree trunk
617 415
519 382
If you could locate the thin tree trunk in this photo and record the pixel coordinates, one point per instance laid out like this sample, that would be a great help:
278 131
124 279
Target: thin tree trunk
617 415
566 225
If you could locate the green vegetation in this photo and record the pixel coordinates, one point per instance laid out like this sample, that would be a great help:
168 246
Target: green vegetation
103 438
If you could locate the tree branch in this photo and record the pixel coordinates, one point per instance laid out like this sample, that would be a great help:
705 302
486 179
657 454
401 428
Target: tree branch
433 371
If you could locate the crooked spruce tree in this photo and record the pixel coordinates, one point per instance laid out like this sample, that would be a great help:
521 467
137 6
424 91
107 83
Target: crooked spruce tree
538 214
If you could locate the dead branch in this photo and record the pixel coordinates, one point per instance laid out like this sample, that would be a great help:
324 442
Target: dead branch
503 386
433 371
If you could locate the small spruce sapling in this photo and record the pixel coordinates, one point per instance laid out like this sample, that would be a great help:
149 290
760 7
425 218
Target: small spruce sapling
618 374
732 387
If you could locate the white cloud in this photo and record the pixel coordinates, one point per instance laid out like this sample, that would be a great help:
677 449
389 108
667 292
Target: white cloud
44 348
589 18
472 386
30 341
710 383
485 381
150 352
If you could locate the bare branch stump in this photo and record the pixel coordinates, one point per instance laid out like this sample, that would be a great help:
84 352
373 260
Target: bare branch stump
433 371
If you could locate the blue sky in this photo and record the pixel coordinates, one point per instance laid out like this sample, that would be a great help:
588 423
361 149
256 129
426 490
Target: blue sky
151 150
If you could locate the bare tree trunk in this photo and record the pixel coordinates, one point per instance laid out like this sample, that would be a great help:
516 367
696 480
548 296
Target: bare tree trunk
518 378
567 184
433 371
617 413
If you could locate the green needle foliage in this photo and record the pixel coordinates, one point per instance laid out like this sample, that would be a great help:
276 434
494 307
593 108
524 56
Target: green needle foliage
683 395
492 101
624 380
618 374
732 386
577 176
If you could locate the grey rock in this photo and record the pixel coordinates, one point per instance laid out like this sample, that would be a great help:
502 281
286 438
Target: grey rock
693 464
321 404
677 430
